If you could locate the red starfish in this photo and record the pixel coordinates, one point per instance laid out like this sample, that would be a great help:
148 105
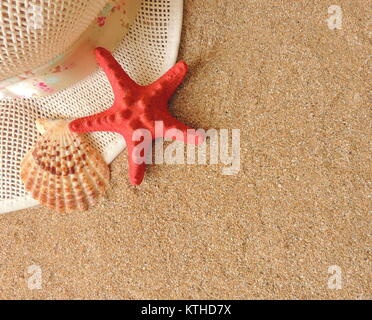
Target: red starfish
137 107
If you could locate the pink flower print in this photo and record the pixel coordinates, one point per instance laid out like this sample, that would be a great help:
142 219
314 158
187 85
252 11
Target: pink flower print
57 69
101 21
43 86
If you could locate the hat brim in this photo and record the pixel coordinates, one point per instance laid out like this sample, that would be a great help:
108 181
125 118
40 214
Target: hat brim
148 50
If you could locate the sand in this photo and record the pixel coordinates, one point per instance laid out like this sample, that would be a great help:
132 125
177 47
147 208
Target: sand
297 90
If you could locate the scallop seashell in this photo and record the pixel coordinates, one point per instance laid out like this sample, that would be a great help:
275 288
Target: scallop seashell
62 171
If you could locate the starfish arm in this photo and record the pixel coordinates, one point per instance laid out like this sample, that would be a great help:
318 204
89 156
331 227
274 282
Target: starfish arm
93 123
189 135
118 78
137 167
171 80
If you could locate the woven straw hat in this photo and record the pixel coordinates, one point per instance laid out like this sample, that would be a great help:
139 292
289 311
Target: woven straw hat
47 69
